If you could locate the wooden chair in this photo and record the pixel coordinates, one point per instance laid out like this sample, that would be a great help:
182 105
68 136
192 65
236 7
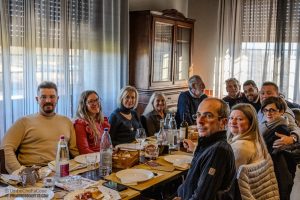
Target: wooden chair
2 162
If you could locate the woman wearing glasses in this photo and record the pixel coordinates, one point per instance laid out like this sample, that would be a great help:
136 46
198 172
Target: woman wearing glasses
275 124
90 122
124 120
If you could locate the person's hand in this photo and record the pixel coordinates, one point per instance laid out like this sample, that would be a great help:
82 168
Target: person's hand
282 141
189 145
176 198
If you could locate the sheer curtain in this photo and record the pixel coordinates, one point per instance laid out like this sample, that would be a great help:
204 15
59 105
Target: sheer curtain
259 40
78 44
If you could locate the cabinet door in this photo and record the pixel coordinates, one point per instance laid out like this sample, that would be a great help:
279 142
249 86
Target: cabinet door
182 53
162 53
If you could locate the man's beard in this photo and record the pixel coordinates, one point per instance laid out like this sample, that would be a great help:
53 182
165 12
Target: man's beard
48 111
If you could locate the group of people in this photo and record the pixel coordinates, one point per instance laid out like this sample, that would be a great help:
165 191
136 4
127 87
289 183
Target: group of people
261 124
243 128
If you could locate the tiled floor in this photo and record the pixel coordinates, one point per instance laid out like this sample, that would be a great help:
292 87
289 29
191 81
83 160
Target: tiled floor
296 188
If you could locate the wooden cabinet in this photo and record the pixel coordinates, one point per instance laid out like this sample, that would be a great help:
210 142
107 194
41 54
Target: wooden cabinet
160 54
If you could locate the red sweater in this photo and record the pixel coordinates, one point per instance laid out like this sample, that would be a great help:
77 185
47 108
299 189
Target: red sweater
85 137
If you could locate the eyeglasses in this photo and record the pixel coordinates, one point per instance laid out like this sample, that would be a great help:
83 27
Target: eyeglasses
271 110
206 115
93 101
44 97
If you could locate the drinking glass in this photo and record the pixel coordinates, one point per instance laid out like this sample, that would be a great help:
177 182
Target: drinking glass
49 183
140 136
91 160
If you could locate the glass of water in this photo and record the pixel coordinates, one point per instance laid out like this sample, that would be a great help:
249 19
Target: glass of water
49 183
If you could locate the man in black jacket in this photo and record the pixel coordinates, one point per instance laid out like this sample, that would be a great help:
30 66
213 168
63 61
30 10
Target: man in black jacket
212 169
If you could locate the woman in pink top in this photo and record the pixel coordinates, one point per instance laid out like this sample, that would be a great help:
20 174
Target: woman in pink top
90 122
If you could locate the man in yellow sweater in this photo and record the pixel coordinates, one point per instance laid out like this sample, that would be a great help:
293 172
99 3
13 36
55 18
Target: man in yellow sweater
32 140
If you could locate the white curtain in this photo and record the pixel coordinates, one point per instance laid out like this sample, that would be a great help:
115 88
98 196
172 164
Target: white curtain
259 40
78 44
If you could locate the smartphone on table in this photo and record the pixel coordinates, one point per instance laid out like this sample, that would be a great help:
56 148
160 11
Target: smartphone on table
115 186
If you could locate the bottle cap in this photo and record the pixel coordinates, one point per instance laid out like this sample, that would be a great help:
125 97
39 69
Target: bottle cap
62 137
105 129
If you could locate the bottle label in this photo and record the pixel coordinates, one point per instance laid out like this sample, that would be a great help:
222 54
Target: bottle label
182 133
64 170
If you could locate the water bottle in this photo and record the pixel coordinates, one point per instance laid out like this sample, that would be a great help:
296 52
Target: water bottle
62 158
167 121
172 133
105 154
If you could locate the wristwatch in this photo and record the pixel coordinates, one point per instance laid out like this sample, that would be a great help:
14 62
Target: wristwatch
295 138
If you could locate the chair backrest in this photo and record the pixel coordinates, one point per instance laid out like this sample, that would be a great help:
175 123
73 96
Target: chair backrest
257 181
2 162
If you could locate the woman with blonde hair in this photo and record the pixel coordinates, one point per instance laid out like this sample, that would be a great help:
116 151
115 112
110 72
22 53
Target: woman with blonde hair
243 135
154 112
252 159
90 123
124 120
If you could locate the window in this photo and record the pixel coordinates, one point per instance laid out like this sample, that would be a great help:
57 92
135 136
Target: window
73 43
265 45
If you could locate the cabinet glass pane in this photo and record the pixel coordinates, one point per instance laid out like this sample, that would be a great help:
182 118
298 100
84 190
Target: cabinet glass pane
162 51
182 56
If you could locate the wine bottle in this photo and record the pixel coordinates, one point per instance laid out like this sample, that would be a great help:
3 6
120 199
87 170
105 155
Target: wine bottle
184 130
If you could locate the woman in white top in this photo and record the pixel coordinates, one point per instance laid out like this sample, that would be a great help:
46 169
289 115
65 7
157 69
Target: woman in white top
244 137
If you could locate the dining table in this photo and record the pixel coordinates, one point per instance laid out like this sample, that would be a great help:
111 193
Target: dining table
165 173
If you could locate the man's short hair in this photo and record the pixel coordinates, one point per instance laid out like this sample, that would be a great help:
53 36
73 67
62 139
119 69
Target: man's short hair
278 101
223 110
269 83
250 82
48 85
232 80
194 79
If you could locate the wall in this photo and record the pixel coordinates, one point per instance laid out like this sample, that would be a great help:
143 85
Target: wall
205 12
158 5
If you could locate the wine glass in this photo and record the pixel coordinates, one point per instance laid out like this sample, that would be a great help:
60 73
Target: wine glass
140 136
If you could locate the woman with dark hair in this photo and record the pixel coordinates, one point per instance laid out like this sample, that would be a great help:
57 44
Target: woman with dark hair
275 124
124 120
90 122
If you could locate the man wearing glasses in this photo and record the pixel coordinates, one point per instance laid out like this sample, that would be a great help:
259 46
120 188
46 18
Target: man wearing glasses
32 140
213 167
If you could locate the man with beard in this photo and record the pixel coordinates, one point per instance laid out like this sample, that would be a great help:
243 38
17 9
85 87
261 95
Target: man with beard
189 101
251 94
32 140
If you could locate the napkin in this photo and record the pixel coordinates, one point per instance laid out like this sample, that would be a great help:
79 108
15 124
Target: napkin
180 164
10 179
72 166
113 195
6 190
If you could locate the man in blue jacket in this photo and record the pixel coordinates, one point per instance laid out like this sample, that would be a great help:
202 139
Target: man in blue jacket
212 169
189 101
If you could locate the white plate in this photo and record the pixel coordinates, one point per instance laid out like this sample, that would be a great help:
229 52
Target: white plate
129 146
81 158
32 193
179 159
72 195
134 175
